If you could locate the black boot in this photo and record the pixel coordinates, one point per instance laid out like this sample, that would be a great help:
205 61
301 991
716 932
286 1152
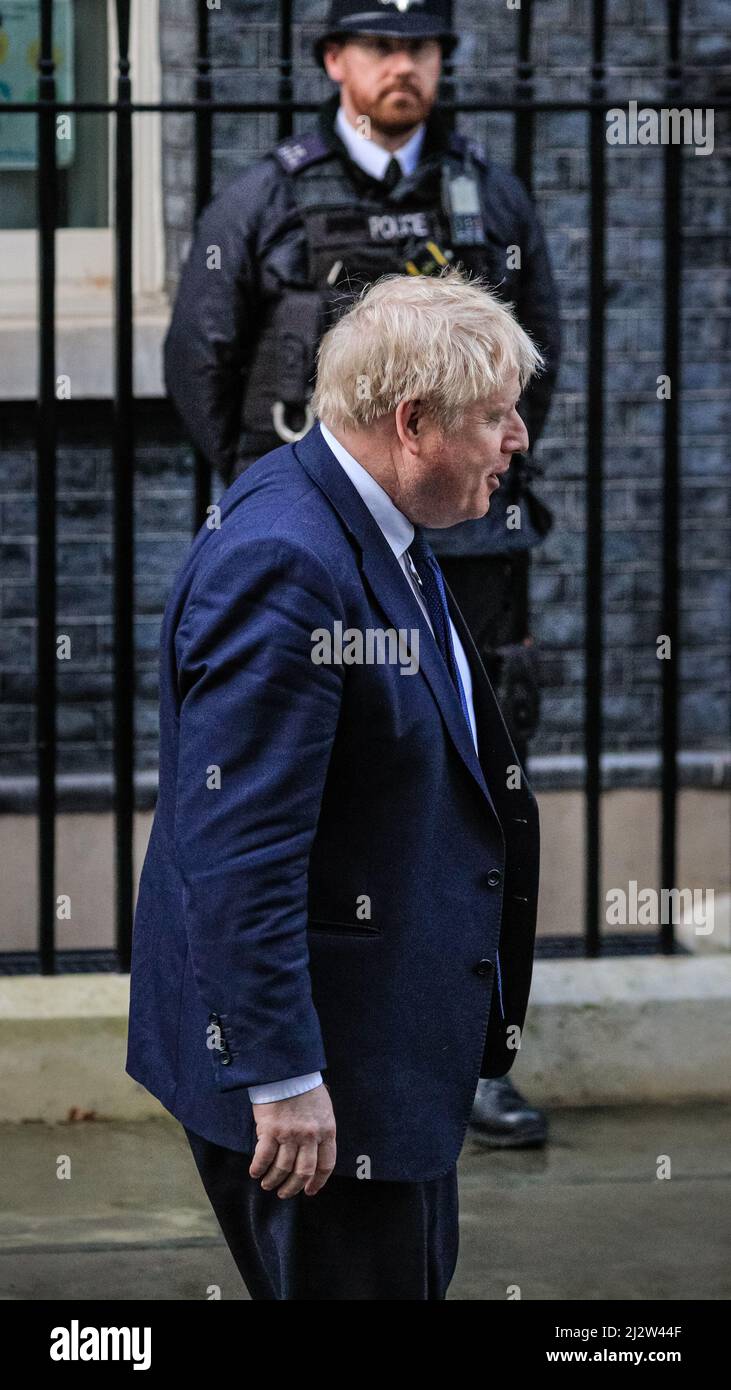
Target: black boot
502 1119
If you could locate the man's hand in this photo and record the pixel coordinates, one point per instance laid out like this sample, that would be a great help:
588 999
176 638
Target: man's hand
295 1143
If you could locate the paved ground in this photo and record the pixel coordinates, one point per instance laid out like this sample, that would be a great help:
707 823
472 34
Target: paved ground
585 1218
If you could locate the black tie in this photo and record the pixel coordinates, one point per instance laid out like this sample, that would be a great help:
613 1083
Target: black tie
392 174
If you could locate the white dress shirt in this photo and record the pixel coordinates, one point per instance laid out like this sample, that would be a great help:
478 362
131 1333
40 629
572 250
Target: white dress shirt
399 532
372 157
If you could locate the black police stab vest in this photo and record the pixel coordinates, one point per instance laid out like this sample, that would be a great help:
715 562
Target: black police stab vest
352 236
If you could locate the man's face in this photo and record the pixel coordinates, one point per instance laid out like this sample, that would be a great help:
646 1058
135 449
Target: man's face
445 479
393 81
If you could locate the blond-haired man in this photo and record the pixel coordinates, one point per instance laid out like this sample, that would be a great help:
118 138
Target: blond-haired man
335 925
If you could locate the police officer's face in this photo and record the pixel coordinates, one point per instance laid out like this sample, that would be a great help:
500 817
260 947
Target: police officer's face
448 478
393 81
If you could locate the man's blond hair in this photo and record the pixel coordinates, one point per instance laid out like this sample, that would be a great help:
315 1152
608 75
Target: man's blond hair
442 339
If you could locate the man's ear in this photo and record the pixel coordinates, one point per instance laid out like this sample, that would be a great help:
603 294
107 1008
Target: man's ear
330 57
409 418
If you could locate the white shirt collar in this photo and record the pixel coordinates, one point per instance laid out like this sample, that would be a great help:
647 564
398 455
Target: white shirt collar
396 527
372 157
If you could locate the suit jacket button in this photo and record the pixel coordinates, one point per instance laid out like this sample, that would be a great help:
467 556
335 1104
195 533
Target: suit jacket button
494 877
483 967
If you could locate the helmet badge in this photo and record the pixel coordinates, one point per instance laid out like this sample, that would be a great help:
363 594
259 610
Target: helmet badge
401 5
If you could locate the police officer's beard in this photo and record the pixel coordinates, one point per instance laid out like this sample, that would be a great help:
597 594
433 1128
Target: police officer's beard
396 127
397 123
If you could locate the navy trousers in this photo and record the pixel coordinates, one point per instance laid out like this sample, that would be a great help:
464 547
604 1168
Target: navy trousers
355 1239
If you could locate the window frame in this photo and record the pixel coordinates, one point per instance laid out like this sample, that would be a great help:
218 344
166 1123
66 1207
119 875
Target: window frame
85 255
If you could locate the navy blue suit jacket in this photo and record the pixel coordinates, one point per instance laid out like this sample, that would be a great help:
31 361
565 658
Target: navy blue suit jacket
331 868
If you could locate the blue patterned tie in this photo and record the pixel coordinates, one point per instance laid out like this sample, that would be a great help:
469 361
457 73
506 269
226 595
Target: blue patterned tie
435 598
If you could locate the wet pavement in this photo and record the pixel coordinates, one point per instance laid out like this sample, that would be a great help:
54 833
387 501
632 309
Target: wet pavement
622 1203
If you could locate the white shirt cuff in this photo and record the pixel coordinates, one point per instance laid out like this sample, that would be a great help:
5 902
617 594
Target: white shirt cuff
282 1090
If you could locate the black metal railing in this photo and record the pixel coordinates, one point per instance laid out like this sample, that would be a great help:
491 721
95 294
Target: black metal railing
204 107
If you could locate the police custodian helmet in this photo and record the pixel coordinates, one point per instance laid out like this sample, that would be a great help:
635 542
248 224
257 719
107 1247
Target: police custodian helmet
411 19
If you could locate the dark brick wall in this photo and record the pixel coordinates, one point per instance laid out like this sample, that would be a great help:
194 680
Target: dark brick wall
163 520
244 52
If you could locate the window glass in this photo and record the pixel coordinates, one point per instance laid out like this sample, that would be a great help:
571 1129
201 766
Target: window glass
82 140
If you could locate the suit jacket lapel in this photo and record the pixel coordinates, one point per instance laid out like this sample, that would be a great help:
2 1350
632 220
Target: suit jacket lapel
496 746
392 591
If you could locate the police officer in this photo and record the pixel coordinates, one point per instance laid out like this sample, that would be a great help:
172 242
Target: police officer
382 184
